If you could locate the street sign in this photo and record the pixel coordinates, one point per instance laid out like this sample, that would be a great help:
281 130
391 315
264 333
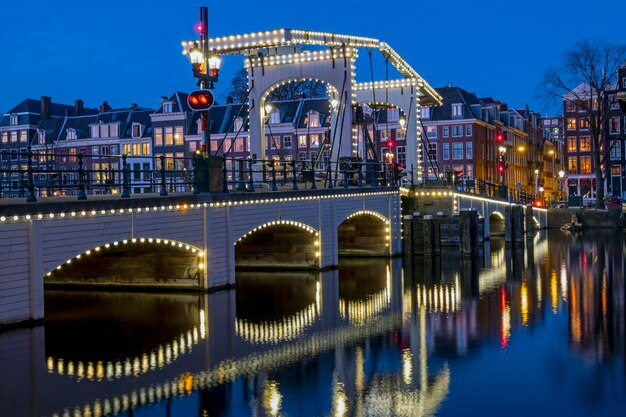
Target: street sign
519 185
200 100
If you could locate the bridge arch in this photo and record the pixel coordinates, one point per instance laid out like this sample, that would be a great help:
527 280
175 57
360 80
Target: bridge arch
364 233
496 223
279 244
188 276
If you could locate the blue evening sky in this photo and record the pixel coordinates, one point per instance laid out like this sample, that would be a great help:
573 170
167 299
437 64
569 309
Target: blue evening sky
130 51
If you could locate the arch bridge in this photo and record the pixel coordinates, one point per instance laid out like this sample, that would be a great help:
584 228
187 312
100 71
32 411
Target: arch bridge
215 232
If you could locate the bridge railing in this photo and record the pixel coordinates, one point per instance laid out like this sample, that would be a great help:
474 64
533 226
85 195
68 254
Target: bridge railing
48 174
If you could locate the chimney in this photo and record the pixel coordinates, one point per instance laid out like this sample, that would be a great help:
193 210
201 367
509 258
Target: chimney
45 107
79 107
104 107
229 99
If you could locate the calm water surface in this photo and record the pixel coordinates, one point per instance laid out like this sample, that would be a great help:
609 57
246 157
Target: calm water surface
539 331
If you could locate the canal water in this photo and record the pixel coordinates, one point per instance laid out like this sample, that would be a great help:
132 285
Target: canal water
533 331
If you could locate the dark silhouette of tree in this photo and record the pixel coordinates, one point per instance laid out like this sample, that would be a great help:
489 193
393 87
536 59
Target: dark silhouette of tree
587 75
289 91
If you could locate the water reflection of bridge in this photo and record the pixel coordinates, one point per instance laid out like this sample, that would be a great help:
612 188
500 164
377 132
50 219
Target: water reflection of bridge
209 366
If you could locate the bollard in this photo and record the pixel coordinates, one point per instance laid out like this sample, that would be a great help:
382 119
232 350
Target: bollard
530 224
518 226
407 235
508 226
428 236
469 233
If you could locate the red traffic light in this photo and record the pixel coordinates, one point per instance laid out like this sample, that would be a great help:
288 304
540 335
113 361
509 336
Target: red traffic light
199 28
389 144
501 167
200 100
499 137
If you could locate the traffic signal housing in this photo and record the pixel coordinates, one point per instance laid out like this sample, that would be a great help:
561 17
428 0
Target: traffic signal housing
501 167
200 100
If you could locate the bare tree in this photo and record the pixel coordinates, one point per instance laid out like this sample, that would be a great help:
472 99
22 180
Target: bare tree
289 91
586 76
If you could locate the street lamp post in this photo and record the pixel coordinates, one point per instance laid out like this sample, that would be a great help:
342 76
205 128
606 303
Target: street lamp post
205 68
561 185
536 182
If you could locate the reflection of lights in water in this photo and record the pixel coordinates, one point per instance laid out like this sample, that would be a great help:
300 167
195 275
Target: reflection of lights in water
524 303
407 366
554 291
340 400
202 324
563 282
539 292
575 318
388 285
359 371
138 365
407 305
505 322
360 312
386 397
288 328
272 398
441 298
249 366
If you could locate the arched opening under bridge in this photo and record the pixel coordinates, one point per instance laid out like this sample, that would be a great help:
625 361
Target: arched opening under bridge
365 233
279 244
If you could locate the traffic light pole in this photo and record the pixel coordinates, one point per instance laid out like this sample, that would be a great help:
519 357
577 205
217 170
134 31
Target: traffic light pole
206 116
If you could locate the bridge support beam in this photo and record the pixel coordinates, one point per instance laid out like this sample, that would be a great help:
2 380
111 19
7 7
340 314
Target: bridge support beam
469 233
530 224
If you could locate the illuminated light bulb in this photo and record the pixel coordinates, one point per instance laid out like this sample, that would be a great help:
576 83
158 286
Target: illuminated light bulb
15 218
40 216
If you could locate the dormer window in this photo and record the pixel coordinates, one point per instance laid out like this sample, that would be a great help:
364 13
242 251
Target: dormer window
274 117
41 137
393 114
71 134
457 110
425 112
136 130
167 107
237 126
312 119
13 119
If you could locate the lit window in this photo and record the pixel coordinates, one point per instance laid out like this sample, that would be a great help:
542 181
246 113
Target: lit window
571 144
572 165
315 141
302 141
169 135
145 149
178 135
23 136
583 122
571 124
312 119
585 143
126 149
158 136
585 165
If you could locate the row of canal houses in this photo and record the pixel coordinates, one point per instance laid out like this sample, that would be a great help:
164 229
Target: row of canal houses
458 137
